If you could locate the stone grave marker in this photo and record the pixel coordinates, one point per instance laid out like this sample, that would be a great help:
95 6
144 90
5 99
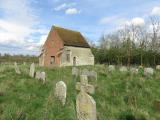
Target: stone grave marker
93 77
158 67
43 77
134 70
32 70
123 69
85 104
84 82
16 68
85 72
75 73
148 71
61 91
111 68
38 75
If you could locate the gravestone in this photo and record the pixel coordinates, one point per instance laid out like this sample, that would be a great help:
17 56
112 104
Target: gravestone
85 72
93 77
148 71
75 72
38 75
158 67
84 82
43 77
134 70
16 68
123 69
111 68
61 91
85 104
32 70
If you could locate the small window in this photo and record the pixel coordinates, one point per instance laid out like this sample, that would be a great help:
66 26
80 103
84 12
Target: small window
52 59
68 57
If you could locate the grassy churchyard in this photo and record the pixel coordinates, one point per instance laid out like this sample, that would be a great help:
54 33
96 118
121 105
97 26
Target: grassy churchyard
118 95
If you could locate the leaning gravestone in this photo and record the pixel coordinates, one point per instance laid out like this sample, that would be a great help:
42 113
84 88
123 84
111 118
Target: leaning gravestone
148 71
123 69
85 104
32 70
17 68
111 68
61 91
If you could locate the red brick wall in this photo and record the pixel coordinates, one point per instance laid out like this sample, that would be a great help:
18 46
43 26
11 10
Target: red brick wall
52 45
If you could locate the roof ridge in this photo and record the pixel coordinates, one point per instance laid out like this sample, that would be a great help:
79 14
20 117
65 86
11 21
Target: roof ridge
54 26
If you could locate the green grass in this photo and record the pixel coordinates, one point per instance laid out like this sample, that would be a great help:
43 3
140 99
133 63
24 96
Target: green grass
119 96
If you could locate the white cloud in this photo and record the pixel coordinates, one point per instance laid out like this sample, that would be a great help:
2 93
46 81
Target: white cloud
17 23
42 39
71 11
156 11
137 21
60 7
64 6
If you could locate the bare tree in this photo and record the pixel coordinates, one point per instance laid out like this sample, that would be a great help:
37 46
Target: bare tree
155 25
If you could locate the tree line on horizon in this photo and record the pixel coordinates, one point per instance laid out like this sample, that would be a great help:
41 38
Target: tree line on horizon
8 58
130 45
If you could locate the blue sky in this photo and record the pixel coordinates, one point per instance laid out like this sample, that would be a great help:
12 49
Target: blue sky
24 24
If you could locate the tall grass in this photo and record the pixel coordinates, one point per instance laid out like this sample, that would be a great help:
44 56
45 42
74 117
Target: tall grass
119 96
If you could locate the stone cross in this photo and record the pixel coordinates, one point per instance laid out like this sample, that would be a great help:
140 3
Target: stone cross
85 104
32 70
61 91
84 84
17 68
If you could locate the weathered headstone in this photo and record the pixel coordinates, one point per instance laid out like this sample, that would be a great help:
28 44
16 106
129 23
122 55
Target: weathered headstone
111 68
43 77
158 67
32 70
148 71
85 72
123 69
75 73
85 104
93 77
61 91
134 70
16 68
84 82
38 75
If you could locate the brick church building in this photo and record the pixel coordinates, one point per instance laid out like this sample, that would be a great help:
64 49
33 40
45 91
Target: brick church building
65 47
